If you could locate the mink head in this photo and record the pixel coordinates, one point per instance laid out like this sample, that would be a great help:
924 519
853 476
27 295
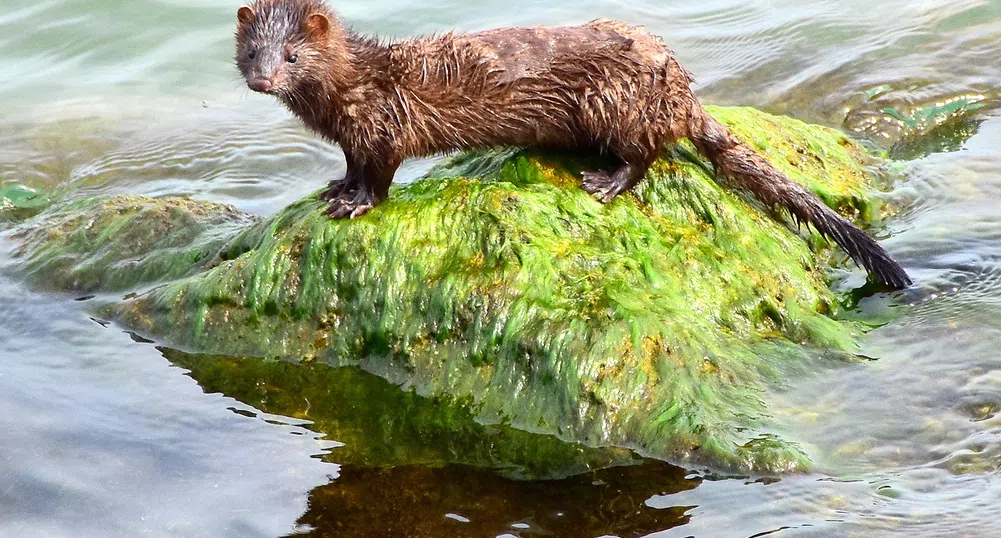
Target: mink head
282 43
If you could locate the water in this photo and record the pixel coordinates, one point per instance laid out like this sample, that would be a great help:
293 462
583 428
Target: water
104 435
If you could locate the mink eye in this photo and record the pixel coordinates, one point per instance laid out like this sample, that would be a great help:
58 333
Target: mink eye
251 53
292 58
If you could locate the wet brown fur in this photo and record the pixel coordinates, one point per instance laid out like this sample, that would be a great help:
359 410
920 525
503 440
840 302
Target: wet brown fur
603 86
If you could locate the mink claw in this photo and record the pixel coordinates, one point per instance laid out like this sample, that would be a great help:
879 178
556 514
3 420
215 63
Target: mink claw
338 209
360 210
342 207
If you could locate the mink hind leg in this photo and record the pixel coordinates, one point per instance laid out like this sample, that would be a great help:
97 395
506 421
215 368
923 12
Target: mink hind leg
605 186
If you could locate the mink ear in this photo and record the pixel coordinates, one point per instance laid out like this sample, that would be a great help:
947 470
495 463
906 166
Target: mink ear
245 15
318 25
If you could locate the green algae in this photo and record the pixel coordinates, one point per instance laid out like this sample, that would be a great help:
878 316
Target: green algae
936 113
825 161
498 287
99 244
19 202
906 126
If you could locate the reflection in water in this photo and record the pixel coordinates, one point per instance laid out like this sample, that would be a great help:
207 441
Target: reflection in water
379 424
458 501
407 462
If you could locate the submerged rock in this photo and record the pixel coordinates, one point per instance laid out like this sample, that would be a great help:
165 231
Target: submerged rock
497 286
112 244
19 201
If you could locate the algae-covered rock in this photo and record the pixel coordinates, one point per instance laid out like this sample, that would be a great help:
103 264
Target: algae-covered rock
19 201
118 243
496 285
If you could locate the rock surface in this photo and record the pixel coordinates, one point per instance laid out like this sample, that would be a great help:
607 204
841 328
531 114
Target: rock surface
496 286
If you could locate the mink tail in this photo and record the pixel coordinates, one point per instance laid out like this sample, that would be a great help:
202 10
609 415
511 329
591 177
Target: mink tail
741 165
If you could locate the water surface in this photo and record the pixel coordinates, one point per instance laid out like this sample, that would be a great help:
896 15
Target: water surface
105 435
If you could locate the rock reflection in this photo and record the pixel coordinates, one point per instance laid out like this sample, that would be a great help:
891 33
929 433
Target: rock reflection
417 501
414 466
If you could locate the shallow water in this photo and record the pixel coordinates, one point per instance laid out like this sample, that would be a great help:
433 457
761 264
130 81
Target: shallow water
106 435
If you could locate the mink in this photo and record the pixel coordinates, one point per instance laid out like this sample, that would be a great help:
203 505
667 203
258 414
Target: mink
604 87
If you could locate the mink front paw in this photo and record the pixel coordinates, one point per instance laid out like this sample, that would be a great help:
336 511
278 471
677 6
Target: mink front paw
350 205
339 209
600 184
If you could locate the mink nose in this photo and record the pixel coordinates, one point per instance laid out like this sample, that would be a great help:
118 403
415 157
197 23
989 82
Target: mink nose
260 84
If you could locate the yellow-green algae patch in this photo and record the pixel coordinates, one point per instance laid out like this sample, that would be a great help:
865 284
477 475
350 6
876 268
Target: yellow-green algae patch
652 323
